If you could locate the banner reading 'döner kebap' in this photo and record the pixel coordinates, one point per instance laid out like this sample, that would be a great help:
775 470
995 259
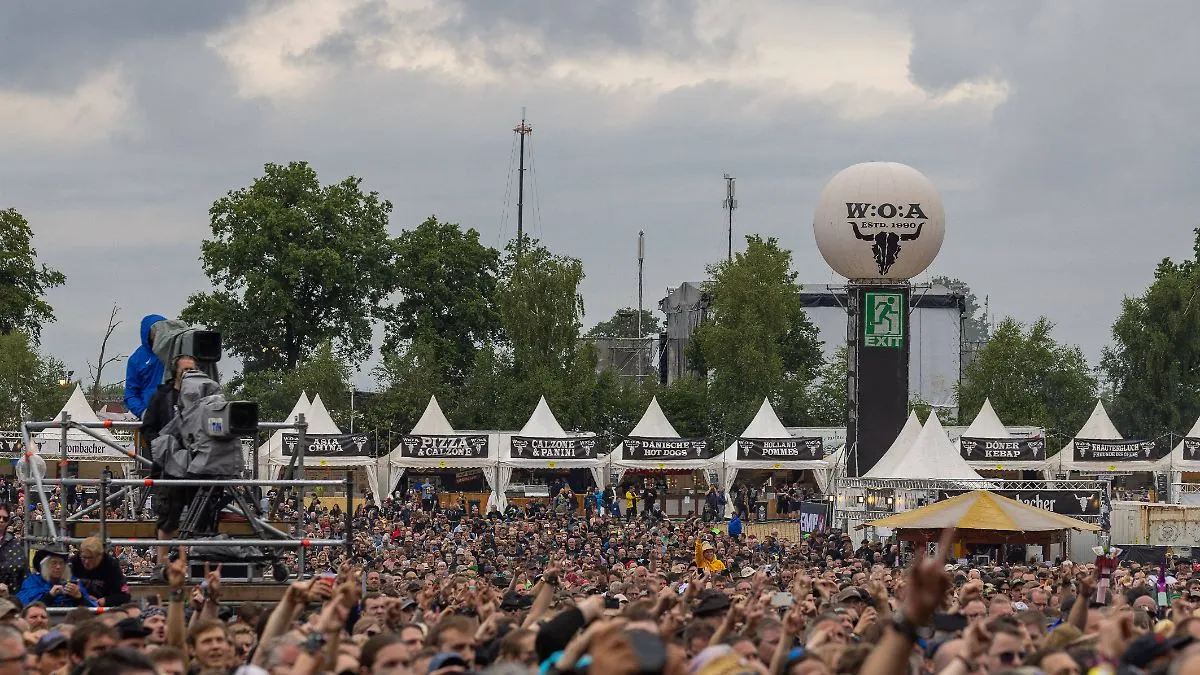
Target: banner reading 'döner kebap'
1002 449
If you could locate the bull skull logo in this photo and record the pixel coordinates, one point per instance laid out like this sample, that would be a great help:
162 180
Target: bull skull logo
886 246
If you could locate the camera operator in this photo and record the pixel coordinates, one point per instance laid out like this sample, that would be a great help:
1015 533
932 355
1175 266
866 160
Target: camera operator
143 370
168 501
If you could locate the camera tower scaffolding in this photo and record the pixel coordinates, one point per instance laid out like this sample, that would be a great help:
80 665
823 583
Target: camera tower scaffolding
268 536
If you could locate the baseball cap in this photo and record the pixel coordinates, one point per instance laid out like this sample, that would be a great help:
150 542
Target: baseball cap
446 660
49 642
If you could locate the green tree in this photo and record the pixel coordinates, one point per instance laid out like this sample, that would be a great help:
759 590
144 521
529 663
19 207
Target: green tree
829 393
975 327
276 391
541 309
29 381
294 264
447 285
407 379
757 338
1154 362
974 321
624 324
1031 379
685 403
23 283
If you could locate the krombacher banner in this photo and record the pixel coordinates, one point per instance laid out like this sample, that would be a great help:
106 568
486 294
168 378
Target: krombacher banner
1002 449
533 447
444 447
327 445
1062 502
667 449
1088 450
780 449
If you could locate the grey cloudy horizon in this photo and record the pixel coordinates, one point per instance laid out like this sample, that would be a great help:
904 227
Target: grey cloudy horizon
1059 134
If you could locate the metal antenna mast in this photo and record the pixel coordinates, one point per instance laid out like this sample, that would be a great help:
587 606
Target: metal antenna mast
730 204
524 130
640 332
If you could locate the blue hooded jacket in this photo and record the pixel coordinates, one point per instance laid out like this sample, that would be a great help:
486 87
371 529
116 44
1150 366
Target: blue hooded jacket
143 371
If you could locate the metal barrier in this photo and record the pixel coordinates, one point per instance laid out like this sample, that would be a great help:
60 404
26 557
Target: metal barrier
294 479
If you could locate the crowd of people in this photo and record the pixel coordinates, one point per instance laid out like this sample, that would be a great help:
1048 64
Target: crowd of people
425 589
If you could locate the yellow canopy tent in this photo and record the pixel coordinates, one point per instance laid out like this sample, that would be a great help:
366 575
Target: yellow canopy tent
983 517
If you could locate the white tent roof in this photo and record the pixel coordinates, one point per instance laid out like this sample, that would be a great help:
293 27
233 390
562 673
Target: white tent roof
765 425
433 422
987 424
654 423
897 450
542 423
318 419
80 446
930 456
1179 459
1097 427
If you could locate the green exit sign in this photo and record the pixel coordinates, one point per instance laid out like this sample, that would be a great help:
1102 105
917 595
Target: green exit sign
883 320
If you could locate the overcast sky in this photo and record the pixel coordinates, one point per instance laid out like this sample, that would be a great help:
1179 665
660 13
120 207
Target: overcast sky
1061 134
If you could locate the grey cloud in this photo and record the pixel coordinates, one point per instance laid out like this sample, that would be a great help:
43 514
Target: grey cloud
49 45
597 28
1058 204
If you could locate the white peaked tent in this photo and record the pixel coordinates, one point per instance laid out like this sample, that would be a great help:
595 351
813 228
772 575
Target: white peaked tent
1097 427
543 424
654 424
80 446
765 425
987 424
1181 459
433 422
897 451
320 423
931 455
274 444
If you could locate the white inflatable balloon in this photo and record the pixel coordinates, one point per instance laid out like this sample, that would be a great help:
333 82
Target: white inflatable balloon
879 220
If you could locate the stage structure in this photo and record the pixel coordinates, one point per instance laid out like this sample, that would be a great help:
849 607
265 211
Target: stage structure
878 224
263 535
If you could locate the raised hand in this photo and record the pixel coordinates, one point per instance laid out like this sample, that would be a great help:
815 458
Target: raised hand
928 583
177 571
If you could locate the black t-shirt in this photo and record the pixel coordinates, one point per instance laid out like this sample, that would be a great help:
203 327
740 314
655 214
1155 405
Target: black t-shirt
106 581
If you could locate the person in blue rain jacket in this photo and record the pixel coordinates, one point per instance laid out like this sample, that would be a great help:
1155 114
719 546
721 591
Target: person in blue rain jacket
143 370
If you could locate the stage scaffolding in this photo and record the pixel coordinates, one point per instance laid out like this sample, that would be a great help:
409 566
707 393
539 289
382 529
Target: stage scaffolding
294 479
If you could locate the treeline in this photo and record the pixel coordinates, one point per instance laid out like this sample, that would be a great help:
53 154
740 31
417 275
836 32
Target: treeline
305 275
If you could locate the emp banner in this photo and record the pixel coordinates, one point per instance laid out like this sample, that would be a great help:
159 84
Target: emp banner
1087 450
780 449
532 447
327 445
813 516
444 447
667 449
1002 449
1062 502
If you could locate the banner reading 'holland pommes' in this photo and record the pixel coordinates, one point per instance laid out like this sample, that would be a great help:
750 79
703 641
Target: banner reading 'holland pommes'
780 449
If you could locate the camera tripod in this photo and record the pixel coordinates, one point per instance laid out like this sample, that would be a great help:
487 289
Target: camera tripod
204 513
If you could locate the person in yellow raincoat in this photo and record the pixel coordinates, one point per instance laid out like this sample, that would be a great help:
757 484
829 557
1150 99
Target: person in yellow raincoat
706 558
